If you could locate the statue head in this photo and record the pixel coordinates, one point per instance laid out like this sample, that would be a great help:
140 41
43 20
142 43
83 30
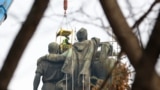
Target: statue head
82 34
53 47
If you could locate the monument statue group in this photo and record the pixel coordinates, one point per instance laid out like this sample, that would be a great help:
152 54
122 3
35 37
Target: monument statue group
81 67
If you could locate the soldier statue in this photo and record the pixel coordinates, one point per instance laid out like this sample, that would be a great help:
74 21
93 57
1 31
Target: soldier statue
49 71
78 61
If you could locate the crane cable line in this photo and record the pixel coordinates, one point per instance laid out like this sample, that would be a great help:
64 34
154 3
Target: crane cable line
67 25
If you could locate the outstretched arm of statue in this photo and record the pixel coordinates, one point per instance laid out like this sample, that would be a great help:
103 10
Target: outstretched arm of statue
36 81
55 58
96 41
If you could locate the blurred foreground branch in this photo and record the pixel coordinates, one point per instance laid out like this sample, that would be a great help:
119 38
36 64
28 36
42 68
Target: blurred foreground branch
143 60
21 41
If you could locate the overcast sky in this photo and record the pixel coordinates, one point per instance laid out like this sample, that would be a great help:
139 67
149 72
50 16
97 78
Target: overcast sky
50 23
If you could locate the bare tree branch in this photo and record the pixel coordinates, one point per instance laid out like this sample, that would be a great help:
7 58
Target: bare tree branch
144 16
122 30
138 22
20 42
143 61
146 76
130 9
153 47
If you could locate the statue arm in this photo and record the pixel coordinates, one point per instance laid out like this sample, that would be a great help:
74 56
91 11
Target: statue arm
36 81
96 41
57 57
53 57
38 73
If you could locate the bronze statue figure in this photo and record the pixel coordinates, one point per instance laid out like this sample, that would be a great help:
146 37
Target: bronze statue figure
49 71
80 67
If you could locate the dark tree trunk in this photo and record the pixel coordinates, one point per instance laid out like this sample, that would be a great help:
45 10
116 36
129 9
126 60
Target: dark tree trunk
143 61
21 41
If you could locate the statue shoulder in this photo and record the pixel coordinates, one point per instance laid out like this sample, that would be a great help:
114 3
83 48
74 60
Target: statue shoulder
96 40
56 57
41 59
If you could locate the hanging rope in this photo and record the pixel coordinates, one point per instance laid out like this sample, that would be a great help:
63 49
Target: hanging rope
66 82
65 6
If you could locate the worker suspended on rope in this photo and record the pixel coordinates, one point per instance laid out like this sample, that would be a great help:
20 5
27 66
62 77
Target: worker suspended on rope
66 41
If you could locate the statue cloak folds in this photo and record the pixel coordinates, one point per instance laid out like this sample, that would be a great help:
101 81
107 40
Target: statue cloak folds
78 62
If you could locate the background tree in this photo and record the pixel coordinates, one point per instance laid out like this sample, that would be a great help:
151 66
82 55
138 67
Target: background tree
143 60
